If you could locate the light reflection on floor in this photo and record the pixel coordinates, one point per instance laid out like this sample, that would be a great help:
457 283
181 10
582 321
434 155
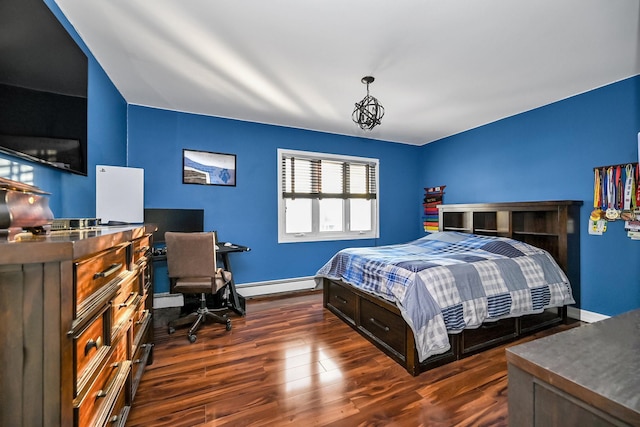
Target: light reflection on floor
305 367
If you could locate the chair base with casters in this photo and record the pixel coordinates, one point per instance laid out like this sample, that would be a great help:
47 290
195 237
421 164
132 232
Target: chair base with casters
198 318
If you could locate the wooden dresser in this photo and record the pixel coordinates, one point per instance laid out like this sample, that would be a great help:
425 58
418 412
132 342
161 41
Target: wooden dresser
586 376
75 308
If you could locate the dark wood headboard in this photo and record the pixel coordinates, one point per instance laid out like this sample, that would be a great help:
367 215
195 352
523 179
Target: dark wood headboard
550 225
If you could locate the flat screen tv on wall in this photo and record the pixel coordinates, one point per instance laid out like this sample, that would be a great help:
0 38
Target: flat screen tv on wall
43 88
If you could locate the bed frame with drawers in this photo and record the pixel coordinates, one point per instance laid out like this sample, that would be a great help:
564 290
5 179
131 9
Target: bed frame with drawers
550 225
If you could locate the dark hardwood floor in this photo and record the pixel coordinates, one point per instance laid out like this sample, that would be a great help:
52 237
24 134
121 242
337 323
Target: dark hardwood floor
291 362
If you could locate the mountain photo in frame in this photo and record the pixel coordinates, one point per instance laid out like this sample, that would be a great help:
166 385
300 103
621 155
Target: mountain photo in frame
206 168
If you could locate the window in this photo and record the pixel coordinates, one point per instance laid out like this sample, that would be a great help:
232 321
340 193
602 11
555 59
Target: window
326 197
16 171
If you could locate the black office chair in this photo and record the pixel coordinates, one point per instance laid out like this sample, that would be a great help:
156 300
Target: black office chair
191 262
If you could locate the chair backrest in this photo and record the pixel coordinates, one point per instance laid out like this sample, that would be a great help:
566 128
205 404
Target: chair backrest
191 254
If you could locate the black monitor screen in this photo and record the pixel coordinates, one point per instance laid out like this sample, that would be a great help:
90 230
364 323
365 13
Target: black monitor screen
185 220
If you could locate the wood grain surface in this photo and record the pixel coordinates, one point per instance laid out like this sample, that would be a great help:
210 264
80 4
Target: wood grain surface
291 362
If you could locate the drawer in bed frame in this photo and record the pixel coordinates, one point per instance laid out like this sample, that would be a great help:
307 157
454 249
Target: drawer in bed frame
381 322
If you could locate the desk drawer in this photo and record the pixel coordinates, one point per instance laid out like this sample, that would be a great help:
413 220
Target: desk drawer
91 274
342 300
384 326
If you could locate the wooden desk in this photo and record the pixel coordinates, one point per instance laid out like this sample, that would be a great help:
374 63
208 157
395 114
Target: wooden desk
585 376
223 252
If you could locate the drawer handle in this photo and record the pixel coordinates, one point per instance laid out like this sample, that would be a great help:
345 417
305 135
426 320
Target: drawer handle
114 419
379 325
108 272
91 344
128 302
101 393
340 299
144 317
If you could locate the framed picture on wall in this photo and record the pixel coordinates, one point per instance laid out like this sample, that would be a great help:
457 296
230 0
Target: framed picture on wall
206 168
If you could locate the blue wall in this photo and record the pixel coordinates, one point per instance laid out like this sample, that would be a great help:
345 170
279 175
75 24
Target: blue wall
248 213
73 196
544 154
549 154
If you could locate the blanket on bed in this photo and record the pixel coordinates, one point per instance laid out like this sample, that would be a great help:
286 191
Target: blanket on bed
448 281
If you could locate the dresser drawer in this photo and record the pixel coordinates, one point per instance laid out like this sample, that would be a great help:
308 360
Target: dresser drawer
124 301
141 248
141 319
93 407
90 346
92 274
487 335
120 409
146 279
384 326
138 363
342 300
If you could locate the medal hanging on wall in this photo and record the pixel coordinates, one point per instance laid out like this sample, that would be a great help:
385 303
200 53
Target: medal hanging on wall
619 191
597 223
629 194
597 212
611 213
603 191
637 192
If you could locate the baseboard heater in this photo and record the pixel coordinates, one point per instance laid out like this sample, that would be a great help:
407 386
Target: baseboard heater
275 286
247 290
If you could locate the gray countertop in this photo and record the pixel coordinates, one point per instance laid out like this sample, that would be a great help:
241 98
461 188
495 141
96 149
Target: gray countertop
602 358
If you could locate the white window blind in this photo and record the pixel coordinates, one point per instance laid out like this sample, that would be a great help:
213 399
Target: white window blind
305 177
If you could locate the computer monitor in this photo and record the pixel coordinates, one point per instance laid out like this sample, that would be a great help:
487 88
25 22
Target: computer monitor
184 220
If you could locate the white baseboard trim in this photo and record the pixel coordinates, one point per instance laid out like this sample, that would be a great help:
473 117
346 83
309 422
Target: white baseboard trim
584 315
166 300
275 286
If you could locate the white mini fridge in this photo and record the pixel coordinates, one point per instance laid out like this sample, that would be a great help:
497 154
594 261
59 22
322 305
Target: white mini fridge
119 195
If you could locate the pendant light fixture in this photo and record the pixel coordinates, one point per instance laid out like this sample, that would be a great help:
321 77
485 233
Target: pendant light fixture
368 112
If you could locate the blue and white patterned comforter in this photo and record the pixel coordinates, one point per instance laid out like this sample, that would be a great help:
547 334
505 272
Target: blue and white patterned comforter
447 281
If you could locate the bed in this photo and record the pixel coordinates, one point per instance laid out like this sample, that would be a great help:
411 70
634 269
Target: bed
477 283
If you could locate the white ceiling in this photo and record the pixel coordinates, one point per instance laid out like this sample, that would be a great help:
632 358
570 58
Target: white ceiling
441 66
